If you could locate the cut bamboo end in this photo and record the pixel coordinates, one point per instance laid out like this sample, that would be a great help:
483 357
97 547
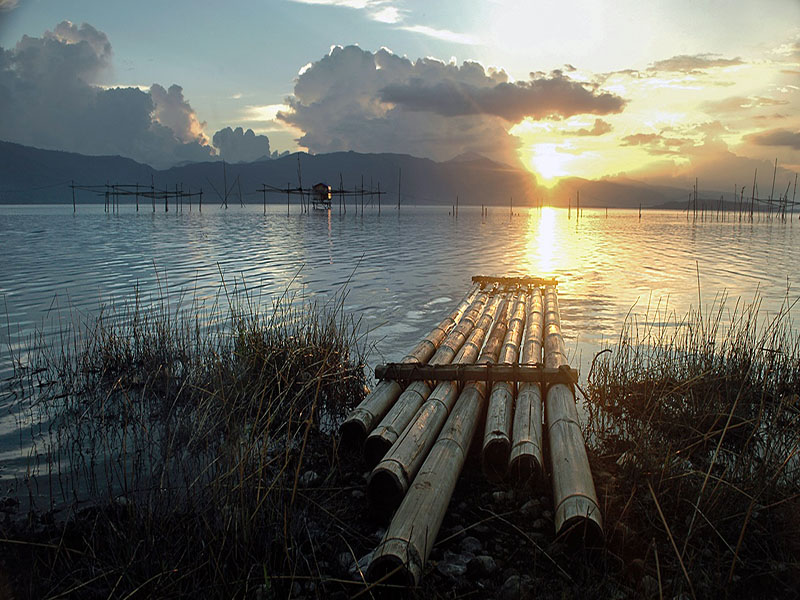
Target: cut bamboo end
524 467
376 446
366 415
583 531
395 562
386 488
496 450
353 432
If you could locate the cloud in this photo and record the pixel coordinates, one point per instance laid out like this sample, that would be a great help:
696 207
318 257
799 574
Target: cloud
52 96
442 34
740 103
353 99
173 111
8 5
656 143
600 127
776 137
686 63
541 98
382 11
237 145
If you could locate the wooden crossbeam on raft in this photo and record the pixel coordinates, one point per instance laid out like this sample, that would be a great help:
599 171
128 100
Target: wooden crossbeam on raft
535 373
484 280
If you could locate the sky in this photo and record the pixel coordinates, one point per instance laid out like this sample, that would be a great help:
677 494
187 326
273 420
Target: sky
657 91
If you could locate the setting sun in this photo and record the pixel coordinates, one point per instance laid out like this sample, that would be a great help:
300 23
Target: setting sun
549 163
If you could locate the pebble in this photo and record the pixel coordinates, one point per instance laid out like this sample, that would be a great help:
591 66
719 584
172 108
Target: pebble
539 524
309 479
347 561
514 588
457 533
546 514
531 508
471 545
452 565
357 495
482 566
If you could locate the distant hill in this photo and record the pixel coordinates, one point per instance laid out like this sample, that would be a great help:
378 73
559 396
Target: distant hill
614 194
32 175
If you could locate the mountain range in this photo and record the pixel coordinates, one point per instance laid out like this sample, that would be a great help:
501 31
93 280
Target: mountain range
33 175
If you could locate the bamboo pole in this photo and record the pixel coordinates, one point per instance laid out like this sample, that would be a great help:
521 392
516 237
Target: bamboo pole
497 435
577 512
525 461
401 555
402 412
375 406
391 478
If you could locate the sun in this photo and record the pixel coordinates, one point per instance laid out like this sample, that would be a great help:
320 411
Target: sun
549 163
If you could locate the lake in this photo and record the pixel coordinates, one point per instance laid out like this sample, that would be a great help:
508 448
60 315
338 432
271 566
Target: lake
403 270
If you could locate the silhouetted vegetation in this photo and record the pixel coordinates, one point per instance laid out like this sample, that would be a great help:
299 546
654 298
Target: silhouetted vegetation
187 456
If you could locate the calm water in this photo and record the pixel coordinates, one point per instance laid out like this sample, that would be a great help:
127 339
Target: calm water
402 270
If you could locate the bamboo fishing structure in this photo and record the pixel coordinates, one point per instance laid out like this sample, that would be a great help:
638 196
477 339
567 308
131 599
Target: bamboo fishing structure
525 461
392 476
400 415
497 436
577 512
459 381
374 407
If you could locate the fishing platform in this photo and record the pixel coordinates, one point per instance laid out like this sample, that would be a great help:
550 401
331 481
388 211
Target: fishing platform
493 372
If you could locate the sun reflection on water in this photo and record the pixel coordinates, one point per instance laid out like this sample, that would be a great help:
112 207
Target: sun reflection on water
544 242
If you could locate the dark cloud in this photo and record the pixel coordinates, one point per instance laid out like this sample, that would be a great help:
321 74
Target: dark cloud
656 143
353 99
776 137
556 96
237 145
600 127
686 63
741 103
51 97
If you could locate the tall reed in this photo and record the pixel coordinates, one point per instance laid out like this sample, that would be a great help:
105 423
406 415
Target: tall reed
173 443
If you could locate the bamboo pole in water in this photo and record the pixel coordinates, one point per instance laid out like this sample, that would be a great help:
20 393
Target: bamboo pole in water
577 513
402 412
390 479
375 406
525 461
497 435
401 555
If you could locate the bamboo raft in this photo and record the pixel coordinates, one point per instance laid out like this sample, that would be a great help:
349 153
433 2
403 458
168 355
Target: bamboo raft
496 362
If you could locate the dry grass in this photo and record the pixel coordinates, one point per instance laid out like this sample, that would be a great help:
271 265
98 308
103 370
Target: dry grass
699 423
174 447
